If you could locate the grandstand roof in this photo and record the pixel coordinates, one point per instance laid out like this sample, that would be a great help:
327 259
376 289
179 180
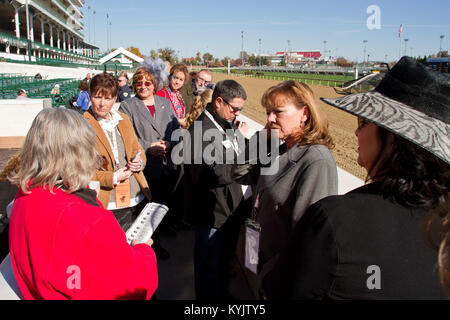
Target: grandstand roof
120 51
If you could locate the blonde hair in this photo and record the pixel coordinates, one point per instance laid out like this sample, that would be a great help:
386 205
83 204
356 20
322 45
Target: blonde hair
198 107
58 152
11 165
315 130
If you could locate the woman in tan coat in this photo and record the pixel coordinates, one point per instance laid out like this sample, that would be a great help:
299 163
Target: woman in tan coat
123 187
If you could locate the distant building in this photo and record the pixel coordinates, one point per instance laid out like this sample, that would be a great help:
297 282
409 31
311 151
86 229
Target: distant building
295 57
55 31
121 56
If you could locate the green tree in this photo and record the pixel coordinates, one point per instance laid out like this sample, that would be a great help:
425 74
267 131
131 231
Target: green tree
236 62
135 51
422 60
167 54
225 61
208 58
198 58
153 54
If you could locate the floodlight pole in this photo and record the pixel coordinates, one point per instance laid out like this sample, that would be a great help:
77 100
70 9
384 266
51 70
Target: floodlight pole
364 55
259 40
242 48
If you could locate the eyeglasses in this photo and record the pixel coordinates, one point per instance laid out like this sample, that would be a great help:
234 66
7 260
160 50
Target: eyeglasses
120 80
144 83
362 122
205 82
234 109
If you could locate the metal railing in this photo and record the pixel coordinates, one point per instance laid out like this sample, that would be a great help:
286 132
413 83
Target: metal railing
21 42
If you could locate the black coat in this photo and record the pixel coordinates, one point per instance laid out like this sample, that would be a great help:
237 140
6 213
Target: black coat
211 194
357 246
124 93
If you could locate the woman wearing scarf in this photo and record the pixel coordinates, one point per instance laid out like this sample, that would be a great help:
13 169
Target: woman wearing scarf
177 78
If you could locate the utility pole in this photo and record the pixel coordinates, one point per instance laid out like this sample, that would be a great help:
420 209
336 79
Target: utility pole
289 52
259 40
242 48
107 32
364 55
93 20
110 40
89 19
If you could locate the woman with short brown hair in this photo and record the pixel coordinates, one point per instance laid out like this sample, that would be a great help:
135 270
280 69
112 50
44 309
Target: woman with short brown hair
123 187
154 121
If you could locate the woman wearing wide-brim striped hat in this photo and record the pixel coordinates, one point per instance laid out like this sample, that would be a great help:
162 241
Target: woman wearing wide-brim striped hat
369 244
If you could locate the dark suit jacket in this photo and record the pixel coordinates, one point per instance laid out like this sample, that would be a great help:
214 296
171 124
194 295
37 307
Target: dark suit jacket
357 246
149 130
188 96
211 195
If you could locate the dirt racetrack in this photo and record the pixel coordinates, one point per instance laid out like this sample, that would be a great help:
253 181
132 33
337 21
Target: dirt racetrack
342 125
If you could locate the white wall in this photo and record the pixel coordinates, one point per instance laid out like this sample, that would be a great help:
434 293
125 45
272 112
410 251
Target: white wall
16 116
14 56
47 72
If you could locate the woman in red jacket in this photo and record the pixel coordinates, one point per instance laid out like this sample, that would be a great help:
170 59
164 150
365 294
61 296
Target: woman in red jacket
63 244
178 76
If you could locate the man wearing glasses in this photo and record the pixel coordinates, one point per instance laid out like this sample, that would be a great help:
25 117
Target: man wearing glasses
124 90
214 203
202 81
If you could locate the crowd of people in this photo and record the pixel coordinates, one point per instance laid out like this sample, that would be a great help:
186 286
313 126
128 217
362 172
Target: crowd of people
278 227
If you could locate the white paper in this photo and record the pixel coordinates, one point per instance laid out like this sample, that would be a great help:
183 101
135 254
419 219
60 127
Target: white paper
146 223
246 191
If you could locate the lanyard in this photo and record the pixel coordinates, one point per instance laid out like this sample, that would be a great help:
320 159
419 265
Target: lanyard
234 143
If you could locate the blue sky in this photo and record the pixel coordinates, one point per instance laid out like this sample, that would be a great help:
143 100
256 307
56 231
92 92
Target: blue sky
215 26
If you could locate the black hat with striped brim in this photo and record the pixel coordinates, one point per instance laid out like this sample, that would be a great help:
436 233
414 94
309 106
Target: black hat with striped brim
411 101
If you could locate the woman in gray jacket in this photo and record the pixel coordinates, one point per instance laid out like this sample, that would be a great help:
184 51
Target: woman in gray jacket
154 121
306 172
